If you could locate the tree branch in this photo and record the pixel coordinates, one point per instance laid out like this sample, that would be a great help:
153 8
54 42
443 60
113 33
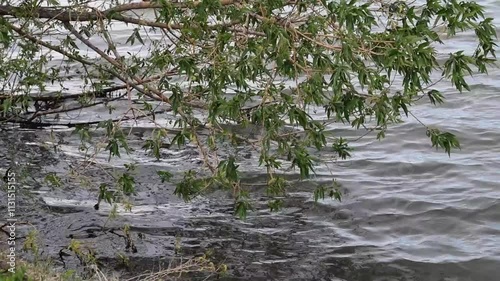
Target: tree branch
67 14
35 125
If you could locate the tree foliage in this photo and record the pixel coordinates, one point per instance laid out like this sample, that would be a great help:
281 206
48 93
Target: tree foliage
266 64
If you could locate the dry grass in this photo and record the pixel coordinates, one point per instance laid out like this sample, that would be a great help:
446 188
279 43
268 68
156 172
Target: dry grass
44 271
199 264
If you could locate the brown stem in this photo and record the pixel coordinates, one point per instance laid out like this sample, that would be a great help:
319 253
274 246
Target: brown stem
67 14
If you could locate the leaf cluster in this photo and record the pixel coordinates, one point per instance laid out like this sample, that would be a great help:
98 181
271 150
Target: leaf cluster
269 65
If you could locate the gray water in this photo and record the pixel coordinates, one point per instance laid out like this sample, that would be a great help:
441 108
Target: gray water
408 212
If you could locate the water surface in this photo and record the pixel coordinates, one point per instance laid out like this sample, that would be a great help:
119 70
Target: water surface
408 212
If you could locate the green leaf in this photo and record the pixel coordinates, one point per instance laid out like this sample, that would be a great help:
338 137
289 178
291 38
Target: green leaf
53 180
165 176
342 149
127 184
241 209
435 97
444 140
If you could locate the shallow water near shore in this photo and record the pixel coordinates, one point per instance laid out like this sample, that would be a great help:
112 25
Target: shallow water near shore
408 213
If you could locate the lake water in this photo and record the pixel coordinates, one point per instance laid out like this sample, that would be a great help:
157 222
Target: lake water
409 212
